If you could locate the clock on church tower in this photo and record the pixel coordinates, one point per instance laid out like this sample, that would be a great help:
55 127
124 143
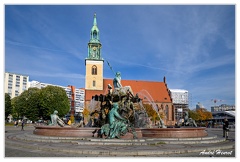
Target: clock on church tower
94 61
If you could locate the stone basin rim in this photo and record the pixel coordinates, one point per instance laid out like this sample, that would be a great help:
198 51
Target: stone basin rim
90 128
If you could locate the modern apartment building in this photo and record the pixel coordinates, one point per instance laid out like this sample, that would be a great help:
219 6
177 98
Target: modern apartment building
180 102
223 107
76 97
15 84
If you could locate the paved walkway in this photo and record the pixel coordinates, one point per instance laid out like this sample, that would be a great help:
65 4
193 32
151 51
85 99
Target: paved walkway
25 144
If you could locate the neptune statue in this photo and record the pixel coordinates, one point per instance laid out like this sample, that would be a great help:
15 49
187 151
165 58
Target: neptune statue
119 89
119 111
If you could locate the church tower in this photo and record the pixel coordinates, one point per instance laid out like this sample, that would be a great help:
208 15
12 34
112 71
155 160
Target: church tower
94 61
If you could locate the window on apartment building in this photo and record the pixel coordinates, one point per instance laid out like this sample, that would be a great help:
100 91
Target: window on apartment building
77 97
81 97
94 70
16 92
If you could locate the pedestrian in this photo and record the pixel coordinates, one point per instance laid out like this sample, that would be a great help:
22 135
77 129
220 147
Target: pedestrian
225 128
22 125
69 122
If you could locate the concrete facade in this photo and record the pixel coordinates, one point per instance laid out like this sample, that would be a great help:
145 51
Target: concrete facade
180 101
15 84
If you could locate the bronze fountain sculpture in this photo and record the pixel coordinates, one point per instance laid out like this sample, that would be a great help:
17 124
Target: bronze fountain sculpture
121 115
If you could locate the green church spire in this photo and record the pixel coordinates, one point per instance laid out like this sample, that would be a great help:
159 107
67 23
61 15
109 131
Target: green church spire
94 45
95 20
94 36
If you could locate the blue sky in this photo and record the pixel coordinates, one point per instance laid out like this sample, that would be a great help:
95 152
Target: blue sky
193 46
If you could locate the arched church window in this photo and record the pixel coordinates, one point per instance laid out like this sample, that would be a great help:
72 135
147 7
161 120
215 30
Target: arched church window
167 111
94 70
94 34
94 83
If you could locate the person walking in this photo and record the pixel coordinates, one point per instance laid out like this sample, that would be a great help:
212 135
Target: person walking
225 128
22 125
15 123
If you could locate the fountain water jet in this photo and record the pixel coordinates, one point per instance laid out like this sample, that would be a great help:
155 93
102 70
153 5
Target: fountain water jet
147 96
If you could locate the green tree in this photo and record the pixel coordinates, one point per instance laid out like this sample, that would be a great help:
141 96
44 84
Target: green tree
33 108
19 105
26 104
53 98
194 115
8 105
15 107
40 103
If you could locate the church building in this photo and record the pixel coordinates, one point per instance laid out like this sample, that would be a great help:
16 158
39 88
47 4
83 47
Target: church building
96 84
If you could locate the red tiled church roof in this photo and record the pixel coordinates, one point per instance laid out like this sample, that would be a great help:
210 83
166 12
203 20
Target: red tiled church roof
157 90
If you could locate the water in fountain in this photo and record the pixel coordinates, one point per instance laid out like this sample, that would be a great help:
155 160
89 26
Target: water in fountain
92 105
142 121
144 93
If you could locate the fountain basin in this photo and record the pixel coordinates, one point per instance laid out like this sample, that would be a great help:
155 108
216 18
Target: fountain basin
68 131
174 132
141 132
